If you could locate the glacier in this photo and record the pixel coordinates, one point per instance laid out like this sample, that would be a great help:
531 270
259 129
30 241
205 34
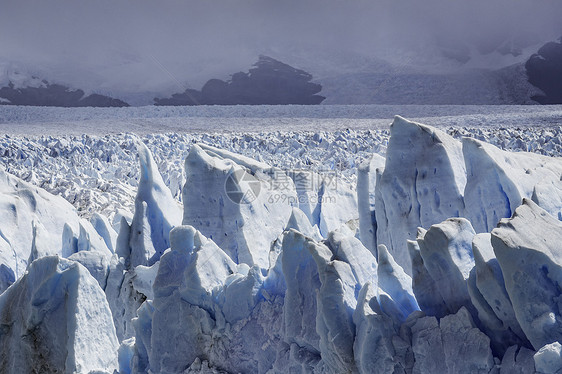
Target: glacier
421 184
56 318
37 223
438 254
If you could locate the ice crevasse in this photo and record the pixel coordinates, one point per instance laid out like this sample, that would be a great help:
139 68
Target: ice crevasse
445 258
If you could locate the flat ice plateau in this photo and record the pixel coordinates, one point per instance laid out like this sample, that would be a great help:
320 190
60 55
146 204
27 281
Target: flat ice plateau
281 240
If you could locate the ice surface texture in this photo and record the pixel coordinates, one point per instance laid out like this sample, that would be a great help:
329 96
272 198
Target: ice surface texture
443 257
56 319
430 176
36 223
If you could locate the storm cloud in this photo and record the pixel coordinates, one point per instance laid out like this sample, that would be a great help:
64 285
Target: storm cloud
165 46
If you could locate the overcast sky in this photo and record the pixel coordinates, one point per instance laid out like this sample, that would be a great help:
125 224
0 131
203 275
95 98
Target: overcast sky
155 44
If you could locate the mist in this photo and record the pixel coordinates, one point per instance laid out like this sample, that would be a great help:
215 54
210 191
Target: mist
136 47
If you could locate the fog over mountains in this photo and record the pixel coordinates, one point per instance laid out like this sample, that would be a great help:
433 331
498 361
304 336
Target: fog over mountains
135 51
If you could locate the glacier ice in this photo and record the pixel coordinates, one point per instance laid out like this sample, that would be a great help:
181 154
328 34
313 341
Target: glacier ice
373 348
335 304
96 263
398 298
466 348
446 250
123 297
527 247
138 245
366 187
490 298
349 249
430 176
125 355
156 213
183 300
548 359
460 346
33 225
193 267
144 278
201 293
300 303
39 225
56 319
329 285
301 223
337 204
246 226
39 244
424 286
517 361
427 343
422 184
548 195
98 172
498 181
105 230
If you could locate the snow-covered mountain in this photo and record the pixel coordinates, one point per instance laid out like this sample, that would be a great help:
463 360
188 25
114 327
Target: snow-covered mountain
19 87
268 82
429 75
436 72
545 71
138 52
